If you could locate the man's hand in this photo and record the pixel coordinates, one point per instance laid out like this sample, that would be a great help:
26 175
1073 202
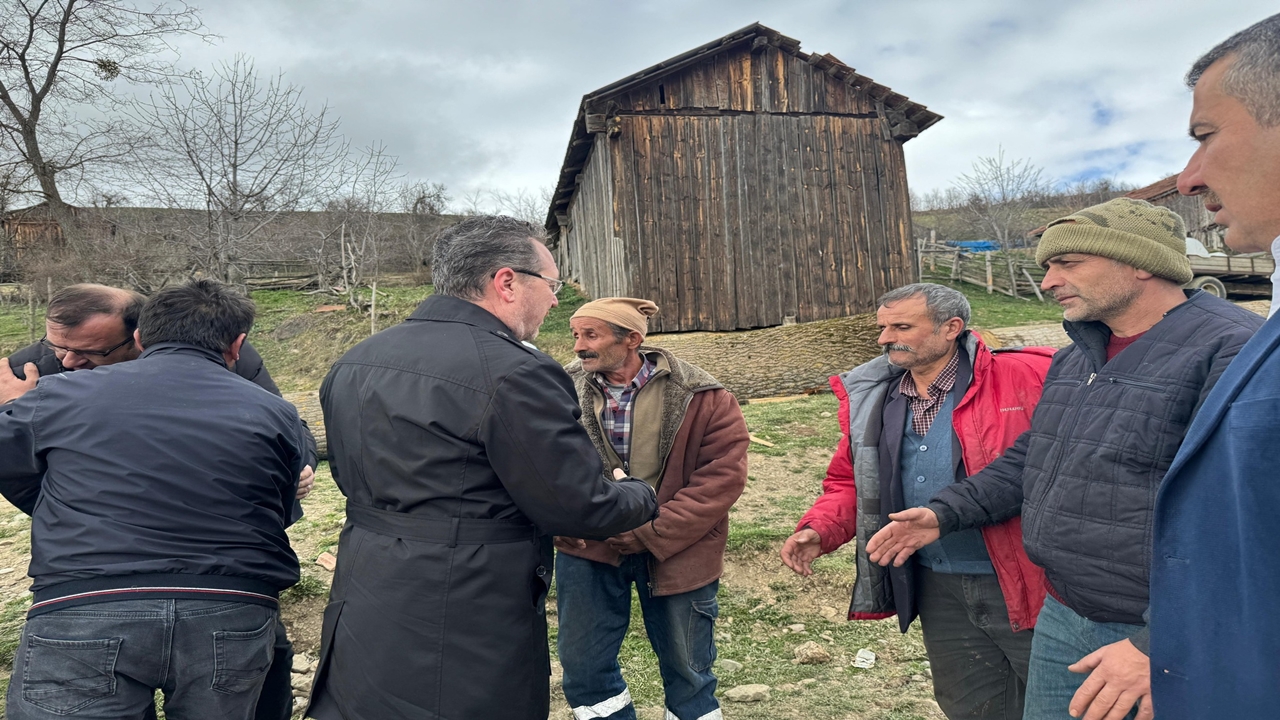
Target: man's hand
1119 678
11 388
909 531
306 481
800 550
568 543
626 543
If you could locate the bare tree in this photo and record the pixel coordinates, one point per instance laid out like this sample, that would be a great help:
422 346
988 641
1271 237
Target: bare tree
423 203
56 55
999 195
368 193
242 150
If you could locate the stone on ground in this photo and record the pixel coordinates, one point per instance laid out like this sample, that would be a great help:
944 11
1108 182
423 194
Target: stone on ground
748 693
811 653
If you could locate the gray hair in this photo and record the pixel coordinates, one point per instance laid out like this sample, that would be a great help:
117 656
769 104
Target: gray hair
943 302
467 254
1254 79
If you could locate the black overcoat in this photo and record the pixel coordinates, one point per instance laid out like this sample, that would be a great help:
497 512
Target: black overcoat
460 453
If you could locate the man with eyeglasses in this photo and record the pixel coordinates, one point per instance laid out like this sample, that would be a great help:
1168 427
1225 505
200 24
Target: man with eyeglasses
89 326
458 448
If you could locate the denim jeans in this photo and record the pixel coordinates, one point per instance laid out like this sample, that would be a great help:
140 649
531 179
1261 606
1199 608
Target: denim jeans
979 663
105 661
1062 638
594 607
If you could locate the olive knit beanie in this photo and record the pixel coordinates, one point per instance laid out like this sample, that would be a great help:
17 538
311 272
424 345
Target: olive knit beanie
1134 232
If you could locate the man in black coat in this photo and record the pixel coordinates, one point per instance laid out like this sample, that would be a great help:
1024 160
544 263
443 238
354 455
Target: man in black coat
458 447
89 326
158 544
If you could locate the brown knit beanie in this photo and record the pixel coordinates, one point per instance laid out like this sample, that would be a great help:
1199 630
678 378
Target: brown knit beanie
1134 232
630 313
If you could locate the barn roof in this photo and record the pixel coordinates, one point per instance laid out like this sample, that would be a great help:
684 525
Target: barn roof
1156 190
754 34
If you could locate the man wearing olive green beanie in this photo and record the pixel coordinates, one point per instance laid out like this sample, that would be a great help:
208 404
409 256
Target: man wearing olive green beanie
1136 233
1115 406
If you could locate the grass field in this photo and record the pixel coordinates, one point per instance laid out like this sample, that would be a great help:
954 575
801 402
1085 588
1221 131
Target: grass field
765 610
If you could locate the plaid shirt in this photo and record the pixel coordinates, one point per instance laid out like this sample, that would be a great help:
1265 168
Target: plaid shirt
924 412
619 402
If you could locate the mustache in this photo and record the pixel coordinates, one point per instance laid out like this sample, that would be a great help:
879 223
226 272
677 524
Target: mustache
897 347
587 355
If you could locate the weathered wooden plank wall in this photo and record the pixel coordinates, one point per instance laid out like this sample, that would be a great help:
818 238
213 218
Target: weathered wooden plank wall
746 189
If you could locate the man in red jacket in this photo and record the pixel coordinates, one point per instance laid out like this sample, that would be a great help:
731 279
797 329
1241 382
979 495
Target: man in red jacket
936 407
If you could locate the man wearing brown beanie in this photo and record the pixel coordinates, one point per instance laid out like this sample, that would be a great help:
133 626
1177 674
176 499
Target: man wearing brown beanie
656 417
1115 408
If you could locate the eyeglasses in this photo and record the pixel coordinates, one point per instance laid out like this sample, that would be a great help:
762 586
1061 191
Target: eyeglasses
62 352
555 284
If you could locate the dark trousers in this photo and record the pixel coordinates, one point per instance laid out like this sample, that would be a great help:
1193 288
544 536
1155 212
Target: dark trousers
105 661
276 700
979 663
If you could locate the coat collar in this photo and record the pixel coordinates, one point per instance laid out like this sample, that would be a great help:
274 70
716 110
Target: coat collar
1092 337
183 349
443 308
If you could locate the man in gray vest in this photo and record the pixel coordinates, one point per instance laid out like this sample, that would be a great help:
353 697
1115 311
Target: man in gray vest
937 406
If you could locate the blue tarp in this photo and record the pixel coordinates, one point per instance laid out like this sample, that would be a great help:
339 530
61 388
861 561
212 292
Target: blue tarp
975 245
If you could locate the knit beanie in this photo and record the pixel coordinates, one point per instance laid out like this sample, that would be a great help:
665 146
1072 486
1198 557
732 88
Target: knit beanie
1134 232
630 313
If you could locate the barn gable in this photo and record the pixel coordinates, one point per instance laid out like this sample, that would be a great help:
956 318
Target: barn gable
741 184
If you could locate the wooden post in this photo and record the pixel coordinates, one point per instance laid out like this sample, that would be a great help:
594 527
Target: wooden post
1013 278
990 284
31 318
373 309
1034 285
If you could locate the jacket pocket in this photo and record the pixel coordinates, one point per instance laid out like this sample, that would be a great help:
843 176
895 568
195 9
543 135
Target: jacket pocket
241 659
64 676
701 637
1138 383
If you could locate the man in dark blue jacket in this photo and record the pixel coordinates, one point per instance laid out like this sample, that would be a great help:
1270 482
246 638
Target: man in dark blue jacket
1115 407
89 326
158 540
1215 572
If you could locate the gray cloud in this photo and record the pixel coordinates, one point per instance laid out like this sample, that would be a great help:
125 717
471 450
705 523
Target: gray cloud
483 93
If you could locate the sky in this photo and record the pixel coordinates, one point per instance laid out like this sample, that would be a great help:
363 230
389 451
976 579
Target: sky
482 94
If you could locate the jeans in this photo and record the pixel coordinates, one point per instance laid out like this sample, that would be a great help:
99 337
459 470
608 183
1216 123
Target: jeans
979 663
276 700
594 606
1062 638
106 660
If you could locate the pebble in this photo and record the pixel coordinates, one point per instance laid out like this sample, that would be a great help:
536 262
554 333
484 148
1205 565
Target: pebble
302 662
301 681
730 666
808 681
748 693
811 653
917 678
824 413
797 628
327 561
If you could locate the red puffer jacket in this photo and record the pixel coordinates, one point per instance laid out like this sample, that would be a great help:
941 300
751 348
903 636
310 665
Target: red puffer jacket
994 411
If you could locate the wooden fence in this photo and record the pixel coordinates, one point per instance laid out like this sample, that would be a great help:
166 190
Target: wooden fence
1010 273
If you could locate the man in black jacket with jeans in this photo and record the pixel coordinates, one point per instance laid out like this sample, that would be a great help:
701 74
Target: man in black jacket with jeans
89 326
158 540
1116 404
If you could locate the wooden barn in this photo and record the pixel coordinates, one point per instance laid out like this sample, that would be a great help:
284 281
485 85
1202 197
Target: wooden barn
742 184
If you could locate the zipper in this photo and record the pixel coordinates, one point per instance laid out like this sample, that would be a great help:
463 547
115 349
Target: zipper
1052 478
1135 383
